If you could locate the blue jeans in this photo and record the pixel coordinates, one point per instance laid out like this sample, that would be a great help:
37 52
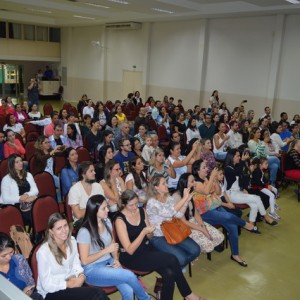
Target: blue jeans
220 155
98 274
220 216
274 165
186 251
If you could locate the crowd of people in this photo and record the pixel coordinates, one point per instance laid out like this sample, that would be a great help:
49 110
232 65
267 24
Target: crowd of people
211 161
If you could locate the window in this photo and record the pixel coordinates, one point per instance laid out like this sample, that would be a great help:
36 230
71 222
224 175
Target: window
42 33
29 32
14 31
54 35
2 30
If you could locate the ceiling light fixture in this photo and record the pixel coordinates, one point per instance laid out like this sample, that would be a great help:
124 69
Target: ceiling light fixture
40 10
96 5
293 1
119 1
163 11
82 17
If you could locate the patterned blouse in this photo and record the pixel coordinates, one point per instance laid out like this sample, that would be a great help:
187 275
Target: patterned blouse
158 212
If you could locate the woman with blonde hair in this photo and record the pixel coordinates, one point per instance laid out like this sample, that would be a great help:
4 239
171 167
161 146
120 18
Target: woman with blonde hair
158 165
60 274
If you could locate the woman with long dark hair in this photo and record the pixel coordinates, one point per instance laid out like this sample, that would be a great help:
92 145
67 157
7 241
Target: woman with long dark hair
18 187
60 274
99 252
136 179
105 155
73 138
69 174
133 232
192 130
107 140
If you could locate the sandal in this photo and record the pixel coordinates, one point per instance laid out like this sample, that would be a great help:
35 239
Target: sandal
241 263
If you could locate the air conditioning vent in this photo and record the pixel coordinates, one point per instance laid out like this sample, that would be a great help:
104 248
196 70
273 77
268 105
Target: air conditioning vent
123 26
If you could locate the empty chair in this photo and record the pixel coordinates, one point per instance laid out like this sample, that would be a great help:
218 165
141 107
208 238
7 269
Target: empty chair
83 154
9 215
45 184
42 209
48 109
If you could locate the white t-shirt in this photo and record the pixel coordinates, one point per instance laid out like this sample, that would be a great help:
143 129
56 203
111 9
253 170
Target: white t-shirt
16 128
78 195
88 111
179 171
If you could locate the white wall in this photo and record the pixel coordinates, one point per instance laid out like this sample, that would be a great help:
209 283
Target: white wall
254 58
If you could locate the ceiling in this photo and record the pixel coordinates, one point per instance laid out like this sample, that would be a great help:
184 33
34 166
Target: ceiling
80 13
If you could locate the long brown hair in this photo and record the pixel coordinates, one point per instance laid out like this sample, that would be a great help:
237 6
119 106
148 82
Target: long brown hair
12 170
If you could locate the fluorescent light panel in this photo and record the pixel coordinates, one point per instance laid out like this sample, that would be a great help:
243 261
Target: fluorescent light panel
163 11
293 1
96 5
119 1
40 10
83 17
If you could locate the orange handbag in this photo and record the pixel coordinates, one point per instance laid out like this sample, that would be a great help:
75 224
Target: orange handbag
175 231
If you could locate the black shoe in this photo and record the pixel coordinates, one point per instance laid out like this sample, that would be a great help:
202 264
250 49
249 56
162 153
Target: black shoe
273 223
254 230
241 263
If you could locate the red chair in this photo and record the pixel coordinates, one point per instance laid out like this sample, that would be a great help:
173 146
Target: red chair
32 136
19 137
286 178
48 109
9 215
74 111
33 261
42 209
162 135
67 106
2 121
45 184
30 128
68 210
152 125
31 165
83 154
59 163
3 168
29 150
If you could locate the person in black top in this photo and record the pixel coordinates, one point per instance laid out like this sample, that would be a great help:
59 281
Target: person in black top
133 231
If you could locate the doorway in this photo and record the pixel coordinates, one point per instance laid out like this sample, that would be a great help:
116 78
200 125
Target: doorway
132 81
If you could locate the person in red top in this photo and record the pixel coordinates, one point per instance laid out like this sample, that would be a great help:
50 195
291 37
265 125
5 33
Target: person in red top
12 145
49 129
5 109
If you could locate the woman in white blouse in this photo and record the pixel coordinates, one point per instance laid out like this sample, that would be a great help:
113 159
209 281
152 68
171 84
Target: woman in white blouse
89 109
276 139
192 131
60 274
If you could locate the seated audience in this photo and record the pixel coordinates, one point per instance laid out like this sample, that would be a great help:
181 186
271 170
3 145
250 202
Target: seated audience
57 138
19 188
49 129
15 268
147 149
136 179
113 126
285 134
34 112
107 140
292 163
105 155
142 134
136 252
99 252
207 129
69 174
235 137
12 145
192 131
162 207
120 115
123 134
81 191
5 109
276 138
12 124
158 165
113 185
124 155
2 142
73 138
60 274
89 109
86 126
205 235
101 114
63 117
220 142
94 137
19 114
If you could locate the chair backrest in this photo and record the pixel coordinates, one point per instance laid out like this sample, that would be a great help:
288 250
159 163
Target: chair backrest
83 154
2 121
48 109
74 111
3 168
152 124
30 128
68 210
31 165
33 261
32 136
10 215
162 132
67 106
45 184
59 163
19 137
42 209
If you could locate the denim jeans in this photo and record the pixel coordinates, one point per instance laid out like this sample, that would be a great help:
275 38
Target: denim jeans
99 274
274 165
220 216
220 155
186 251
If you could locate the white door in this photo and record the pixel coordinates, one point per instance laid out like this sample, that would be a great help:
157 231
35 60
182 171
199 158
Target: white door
132 81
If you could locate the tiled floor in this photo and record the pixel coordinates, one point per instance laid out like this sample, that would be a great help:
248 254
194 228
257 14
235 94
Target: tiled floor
273 263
